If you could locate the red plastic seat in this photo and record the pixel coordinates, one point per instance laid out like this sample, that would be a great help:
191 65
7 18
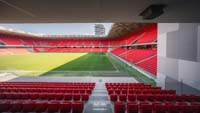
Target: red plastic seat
171 108
17 106
5 106
34 96
43 96
145 107
110 92
51 96
158 108
141 97
131 97
88 91
122 97
41 107
113 97
117 91
29 107
85 97
132 107
196 107
124 91
82 91
187 109
65 107
68 96
77 107
168 97
76 97
119 107
59 96
53 107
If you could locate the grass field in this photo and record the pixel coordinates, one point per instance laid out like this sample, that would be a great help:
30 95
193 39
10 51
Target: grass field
56 62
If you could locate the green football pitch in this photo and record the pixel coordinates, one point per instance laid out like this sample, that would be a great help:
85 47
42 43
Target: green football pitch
56 62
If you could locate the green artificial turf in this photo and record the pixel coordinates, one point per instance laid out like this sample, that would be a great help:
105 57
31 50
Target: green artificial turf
48 62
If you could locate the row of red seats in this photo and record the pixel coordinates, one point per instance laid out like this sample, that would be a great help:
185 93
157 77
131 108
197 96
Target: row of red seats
150 34
45 96
156 107
147 34
149 65
43 90
49 83
42 84
41 106
125 84
155 97
140 91
139 57
129 86
77 49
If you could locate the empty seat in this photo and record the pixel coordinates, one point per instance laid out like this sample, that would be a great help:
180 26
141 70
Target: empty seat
53 107
29 106
171 108
141 97
65 107
17 106
85 97
122 97
113 97
5 106
145 107
131 97
59 96
34 96
51 96
158 108
110 92
77 107
40 106
119 107
68 96
76 97
132 107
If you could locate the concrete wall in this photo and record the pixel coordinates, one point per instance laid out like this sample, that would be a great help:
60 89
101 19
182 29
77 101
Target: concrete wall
178 56
198 48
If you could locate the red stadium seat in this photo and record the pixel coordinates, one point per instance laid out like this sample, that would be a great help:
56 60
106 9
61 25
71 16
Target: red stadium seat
29 107
85 97
5 106
65 107
158 108
122 97
52 107
119 107
132 107
113 97
76 97
145 107
41 107
59 96
68 96
17 106
77 107
131 97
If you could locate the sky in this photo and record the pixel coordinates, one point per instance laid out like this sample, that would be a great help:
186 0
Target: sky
57 28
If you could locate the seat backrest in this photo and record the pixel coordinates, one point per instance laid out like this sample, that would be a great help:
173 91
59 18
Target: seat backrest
65 107
119 107
132 107
77 107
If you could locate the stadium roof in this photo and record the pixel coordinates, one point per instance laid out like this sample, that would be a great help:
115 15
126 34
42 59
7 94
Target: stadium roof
117 30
